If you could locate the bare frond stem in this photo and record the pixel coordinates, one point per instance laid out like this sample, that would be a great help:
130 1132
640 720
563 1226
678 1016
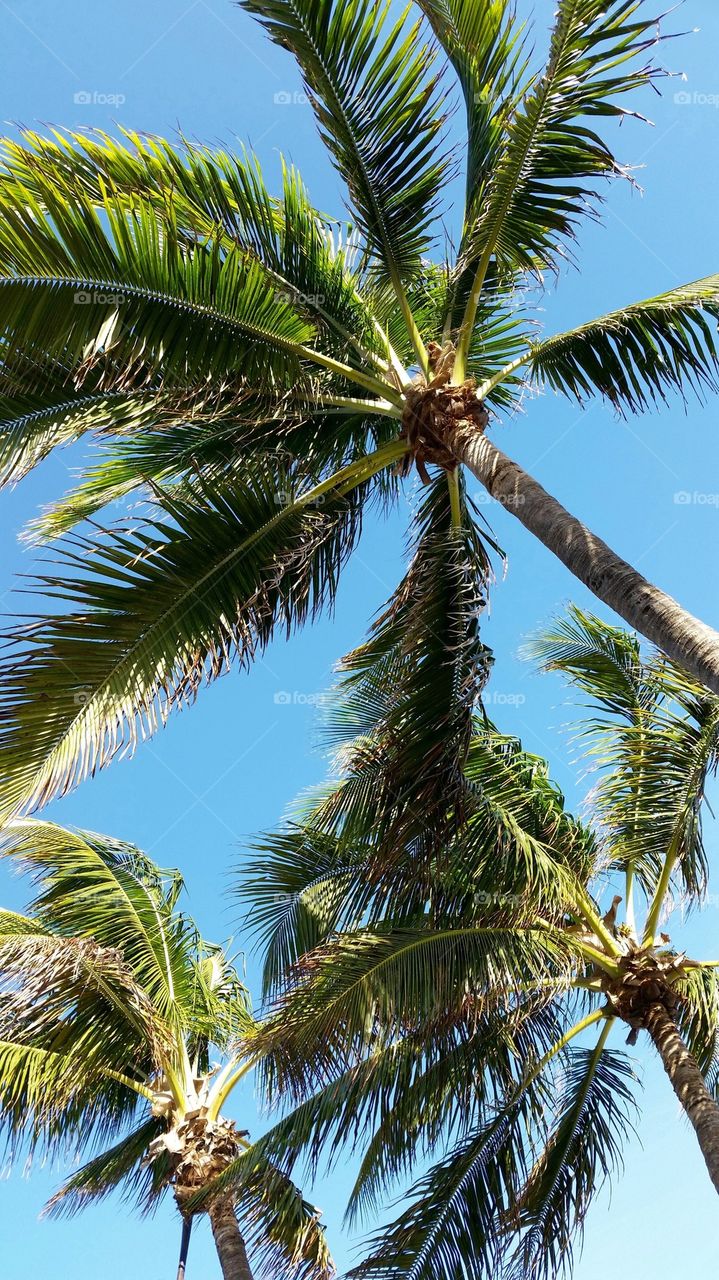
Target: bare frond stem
674 849
568 1036
385 390
382 407
129 1083
454 498
410 323
596 924
225 1083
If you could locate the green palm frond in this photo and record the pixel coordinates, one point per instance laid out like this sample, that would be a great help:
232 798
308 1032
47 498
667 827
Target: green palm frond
544 179
28 434
585 1146
301 886
157 610
402 714
94 888
637 356
451 1225
520 844
370 81
208 193
176 440
698 1017
116 291
282 1228
467 1078
486 46
366 988
122 1166
54 1101
89 1067
406 1096
516 853
604 661
654 740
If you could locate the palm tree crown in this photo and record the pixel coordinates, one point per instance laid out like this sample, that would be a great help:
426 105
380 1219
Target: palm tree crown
122 1036
262 375
442 972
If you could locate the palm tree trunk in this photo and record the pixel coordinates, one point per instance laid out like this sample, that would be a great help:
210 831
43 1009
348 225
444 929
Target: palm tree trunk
688 1084
228 1240
647 609
184 1247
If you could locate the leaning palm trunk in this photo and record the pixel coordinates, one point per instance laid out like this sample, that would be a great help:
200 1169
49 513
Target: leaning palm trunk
228 1240
184 1247
645 607
688 1084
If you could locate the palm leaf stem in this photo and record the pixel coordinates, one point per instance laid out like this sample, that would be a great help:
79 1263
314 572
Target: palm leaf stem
692 784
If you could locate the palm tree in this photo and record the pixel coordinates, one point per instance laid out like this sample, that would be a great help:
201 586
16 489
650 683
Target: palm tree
121 1037
440 981
261 373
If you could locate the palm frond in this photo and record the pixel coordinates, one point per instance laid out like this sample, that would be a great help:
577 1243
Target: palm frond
123 1166
282 1229
90 887
698 1017
366 988
301 885
639 355
584 1148
653 739
370 81
156 610
209 193
598 54
56 1102
402 714
451 1226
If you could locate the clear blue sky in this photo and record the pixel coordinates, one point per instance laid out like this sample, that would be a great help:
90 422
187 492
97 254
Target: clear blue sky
231 765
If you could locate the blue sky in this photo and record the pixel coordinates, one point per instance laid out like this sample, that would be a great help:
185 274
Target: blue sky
231 765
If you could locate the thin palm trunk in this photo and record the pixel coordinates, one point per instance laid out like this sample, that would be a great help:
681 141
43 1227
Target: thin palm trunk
645 607
228 1240
688 1084
184 1248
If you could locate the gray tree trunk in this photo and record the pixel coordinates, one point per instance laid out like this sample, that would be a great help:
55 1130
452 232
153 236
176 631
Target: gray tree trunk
688 1084
228 1240
645 607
